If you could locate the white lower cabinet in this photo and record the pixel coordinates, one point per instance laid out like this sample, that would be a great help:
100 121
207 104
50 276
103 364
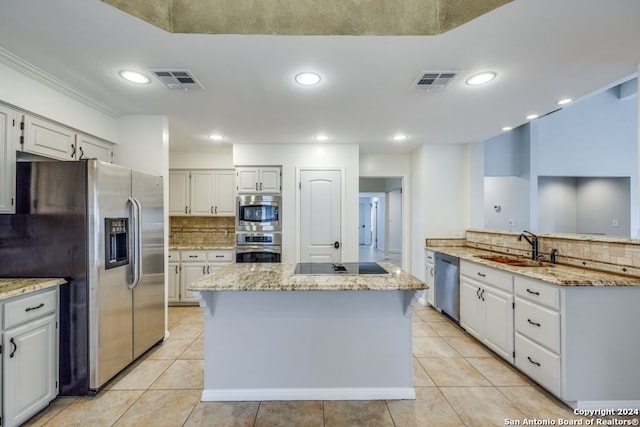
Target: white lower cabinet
187 266
486 306
29 355
429 294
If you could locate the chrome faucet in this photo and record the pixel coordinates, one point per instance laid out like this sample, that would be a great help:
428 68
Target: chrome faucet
533 242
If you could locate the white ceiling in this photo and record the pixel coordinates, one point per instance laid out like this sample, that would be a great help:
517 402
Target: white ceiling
542 50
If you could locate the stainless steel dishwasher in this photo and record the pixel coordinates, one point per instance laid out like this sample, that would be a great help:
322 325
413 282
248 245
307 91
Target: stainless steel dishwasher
448 285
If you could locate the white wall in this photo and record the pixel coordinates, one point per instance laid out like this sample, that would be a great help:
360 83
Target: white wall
439 175
394 235
36 97
201 159
291 157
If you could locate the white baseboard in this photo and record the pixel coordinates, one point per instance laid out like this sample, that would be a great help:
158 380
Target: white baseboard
260 394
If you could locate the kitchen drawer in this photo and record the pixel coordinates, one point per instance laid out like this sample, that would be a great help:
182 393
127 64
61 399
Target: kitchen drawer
538 323
193 256
174 255
538 363
23 309
537 291
220 256
488 275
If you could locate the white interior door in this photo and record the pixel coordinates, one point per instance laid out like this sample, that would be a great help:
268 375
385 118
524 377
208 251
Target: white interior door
320 215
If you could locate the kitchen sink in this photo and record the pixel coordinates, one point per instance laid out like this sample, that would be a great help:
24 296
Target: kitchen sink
515 261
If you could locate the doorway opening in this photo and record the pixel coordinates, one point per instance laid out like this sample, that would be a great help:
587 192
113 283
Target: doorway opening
380 220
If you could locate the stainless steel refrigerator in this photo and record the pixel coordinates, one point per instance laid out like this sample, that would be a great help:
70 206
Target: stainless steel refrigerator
101 227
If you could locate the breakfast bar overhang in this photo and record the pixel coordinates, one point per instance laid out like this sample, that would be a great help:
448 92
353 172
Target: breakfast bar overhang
274 335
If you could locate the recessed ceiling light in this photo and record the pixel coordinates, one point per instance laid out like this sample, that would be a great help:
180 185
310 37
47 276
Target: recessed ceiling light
506 128
134 77
400 137
308 79
532 116
321 137
215 137
564 101
481 78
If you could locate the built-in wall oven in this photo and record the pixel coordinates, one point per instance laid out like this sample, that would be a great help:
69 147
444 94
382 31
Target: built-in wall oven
258 212
258 247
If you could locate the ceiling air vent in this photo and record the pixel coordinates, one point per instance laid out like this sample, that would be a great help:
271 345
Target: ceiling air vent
434 80
178 79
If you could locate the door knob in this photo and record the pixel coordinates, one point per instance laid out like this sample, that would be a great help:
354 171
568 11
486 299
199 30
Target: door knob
336 245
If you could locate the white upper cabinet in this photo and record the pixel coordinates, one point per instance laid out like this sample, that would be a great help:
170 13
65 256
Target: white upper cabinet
202 192
179 203
8 126
258 179
88 147
55 141
48 139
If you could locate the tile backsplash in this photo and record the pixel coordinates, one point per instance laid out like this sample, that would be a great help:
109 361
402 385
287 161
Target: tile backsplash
611 254
202 231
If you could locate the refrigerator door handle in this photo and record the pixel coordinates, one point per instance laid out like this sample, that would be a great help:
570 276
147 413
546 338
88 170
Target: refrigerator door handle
136 258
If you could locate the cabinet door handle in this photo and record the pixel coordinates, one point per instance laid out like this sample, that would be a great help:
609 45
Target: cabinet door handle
15 347
211 209
478 293
73 151
216 210
482 295
260 186
34 308
533 292
176 269
256 186
81 154
186 209
533 361
481 274
208 269
431 272
204 269
533 323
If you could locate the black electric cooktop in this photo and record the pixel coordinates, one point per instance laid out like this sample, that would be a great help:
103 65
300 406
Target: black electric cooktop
347 268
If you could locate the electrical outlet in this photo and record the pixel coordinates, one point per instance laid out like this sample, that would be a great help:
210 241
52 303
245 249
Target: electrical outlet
615 222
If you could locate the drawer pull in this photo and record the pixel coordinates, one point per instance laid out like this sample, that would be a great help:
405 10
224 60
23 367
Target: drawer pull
193 256
15 348
533 323
34 308
219 256
533 292
533 361
481 274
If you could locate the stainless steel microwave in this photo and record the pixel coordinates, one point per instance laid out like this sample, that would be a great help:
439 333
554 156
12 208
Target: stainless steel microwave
257 212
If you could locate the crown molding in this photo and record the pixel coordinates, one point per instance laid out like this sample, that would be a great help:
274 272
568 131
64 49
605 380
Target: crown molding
31 71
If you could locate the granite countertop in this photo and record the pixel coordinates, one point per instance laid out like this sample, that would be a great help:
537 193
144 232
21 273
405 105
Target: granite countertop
200 248
557 274
280 277
10 287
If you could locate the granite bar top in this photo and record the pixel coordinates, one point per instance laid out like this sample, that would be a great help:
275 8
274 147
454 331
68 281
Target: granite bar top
200 247
10 287
556 274
280 277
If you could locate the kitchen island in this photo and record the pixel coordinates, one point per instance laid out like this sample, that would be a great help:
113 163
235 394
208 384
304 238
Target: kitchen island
274 335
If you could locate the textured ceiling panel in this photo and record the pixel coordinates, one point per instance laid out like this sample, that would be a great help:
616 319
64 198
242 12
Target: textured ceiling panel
307 17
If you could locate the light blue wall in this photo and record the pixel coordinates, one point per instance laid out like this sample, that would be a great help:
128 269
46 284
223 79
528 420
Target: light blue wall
595 137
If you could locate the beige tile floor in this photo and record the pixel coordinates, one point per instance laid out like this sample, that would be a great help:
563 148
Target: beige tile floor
457 381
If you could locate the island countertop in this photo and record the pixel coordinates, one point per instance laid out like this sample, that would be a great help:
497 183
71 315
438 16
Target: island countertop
557 274
280 277
13 287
